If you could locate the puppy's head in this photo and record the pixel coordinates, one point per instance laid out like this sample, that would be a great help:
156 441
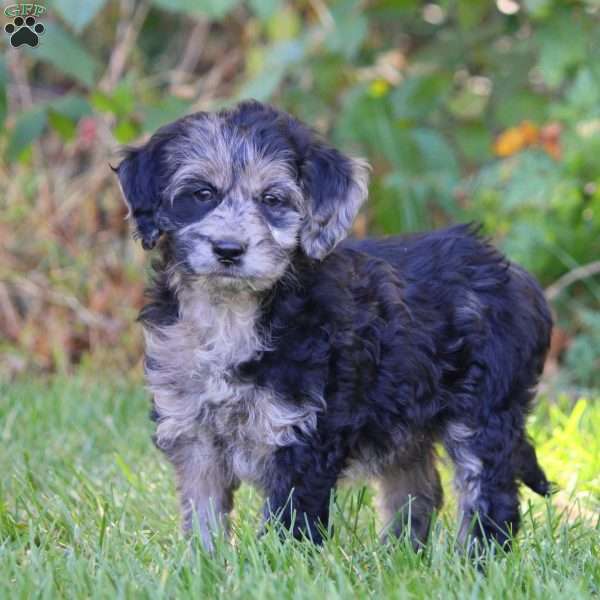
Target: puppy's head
239 192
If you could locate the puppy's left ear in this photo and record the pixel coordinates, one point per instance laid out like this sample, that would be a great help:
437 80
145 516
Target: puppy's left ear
336 188
138 178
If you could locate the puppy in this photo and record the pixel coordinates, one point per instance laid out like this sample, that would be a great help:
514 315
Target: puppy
281 355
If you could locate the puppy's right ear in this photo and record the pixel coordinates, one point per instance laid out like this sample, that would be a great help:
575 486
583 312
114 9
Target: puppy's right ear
138 177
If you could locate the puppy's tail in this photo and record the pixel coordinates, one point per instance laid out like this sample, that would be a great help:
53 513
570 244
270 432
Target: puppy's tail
529 471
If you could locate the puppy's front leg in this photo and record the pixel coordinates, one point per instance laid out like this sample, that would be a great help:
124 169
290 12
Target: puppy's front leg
299 485
205 489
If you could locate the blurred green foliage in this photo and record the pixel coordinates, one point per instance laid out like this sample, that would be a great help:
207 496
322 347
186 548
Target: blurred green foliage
467 110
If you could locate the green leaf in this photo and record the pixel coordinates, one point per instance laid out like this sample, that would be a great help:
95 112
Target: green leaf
63 125
264 9
467 105
441 172
357 117
29 127
583 97
167 110
126 131
471 13
103 102
264 85
120 103
64 52
583 360
348 35
73 106
526 180
395 143
215 9
402 207
539 9
475 142
418 96
124 98
76 13
280 57
284 25
518 106
437 154
562 42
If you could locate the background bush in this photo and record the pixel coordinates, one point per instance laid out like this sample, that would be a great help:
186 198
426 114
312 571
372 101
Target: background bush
467 110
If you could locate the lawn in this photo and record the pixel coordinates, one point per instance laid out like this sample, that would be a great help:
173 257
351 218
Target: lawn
88 509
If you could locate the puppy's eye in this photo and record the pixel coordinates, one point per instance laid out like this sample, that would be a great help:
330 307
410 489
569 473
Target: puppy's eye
271 199
204 194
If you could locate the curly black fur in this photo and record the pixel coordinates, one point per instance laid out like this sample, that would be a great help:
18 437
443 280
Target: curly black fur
409 333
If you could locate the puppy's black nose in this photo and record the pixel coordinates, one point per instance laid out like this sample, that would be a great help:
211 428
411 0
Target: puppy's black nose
228 252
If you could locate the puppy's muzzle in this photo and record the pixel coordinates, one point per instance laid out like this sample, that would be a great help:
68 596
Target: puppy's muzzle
228 252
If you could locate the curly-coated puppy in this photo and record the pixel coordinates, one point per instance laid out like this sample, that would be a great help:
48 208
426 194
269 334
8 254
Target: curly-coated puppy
279 356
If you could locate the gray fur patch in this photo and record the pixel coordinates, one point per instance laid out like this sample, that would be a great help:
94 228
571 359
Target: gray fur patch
216 430
468 469
409 492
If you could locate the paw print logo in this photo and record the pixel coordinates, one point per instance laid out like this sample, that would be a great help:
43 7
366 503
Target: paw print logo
24 31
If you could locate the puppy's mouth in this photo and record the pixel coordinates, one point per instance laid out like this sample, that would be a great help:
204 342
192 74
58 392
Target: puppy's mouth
229 272
226 275
234 276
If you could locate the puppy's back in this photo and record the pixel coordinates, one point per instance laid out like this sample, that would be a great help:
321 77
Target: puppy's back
461 276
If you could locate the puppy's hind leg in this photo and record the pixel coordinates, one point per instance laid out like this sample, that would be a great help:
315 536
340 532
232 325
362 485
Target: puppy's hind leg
409 492
485 476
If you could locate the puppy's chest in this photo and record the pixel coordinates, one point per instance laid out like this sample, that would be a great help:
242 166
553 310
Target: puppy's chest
190 372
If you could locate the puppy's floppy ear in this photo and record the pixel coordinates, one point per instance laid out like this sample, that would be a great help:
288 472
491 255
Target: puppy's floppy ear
336 187
139 179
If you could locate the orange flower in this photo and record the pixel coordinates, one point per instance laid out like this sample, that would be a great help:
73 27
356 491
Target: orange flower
530 132
508 142
515 139
525 135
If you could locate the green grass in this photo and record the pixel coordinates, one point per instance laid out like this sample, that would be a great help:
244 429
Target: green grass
88 509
